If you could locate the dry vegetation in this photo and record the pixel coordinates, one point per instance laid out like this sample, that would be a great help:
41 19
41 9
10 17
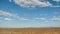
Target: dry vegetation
29 30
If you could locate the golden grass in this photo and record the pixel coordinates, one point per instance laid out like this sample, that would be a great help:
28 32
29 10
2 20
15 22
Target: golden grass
29 30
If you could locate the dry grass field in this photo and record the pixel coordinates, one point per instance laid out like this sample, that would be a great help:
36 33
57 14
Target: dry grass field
29 30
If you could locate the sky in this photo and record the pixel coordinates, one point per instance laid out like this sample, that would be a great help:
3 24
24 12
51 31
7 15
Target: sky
29 13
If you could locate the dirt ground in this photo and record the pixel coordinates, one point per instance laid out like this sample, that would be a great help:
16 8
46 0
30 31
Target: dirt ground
29 30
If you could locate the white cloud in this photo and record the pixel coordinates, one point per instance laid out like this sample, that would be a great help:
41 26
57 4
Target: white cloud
4 13
7 19
31 3
56 0
7 14
40 18
43 18
55 19
49 19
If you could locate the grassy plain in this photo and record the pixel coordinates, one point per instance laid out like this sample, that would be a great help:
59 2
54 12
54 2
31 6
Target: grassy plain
29 30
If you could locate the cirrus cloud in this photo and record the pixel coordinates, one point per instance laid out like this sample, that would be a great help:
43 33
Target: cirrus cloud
49 19
8 15
23 19
40 18
55 19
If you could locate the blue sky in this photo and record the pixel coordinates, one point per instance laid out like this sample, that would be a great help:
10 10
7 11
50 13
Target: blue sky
29 13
